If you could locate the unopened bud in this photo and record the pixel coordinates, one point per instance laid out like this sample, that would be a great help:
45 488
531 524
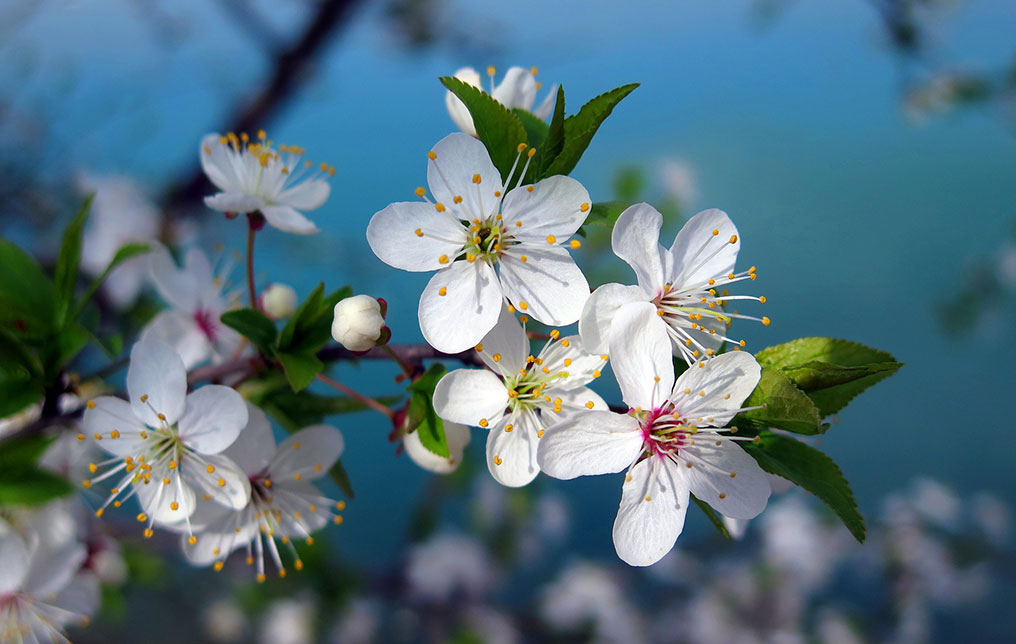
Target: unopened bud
278 301
358 322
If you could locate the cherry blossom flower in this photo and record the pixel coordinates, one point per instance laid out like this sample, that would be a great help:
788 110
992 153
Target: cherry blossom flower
255 176
43 587
283 503
446 566
477 225
521 396
456 436
517 90
279 301
192 326
166 444
357 322
671 442
685 282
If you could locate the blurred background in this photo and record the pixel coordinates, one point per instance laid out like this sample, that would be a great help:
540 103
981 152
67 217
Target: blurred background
865 150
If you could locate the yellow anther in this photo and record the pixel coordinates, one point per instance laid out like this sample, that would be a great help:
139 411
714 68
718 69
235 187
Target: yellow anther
596 373
476 178
174 506
419 233
511 309
86 484
551 239
90 404
523 319
508 428
766 321
566 342
496 357
166 481
590 404
540 433
260 578
173 465
762 299
523 258
567 362
479 347
520 147
222 482
114 434
439 207
218 566
483 422
431 155
421 191
457 199
81 437
470 258
337 520
298 564
148 533
575 244
491 71
529 188
142 517
555 334
497 460
97 436
524 305
442 291
443 259
723 495
297 477
99 512
339 505
162 417
660 312
733 239
531 153
116 504
211 468
741 343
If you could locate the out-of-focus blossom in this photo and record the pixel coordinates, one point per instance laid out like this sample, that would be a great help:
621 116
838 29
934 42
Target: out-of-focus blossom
192 325
121 213
288 621
224 621
993 517
936 503
278 301
446 566
490 626
678 180
517 90
586 595
254 176
359 622
456 436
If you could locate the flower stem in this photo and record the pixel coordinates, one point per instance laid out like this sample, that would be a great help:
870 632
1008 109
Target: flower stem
366 400
251 230
407 369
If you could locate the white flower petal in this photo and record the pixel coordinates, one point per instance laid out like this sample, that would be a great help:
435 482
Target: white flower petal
468 396
726 380
713 460
552 287
596 442
288 220
108 414
300 496
468 309
516 89
553 207
599 312
547 105
226 484
392 236
574 402
219 539
459 159
636 240
80 598
699 255
640 356
651 515
456 108
508 341
179 288
234 202
51 569
306 195
180 331
457 437
307 454
254 447
217 165
213 419
511 456
157 499
157 373
13 559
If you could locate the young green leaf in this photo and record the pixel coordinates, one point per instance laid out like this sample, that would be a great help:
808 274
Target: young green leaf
580 128
341 478
31 486
783 406
26 294
422 417
834 351
812 470
65 274
554 143
497 127
255 326
300 368
301 318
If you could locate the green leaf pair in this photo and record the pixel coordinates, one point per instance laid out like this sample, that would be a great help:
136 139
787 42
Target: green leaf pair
558 146
296 346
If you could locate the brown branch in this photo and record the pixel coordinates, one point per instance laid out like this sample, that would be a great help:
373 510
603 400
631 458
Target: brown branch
291 68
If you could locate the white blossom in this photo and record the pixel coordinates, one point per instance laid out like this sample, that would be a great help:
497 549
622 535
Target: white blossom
488 242
446 566
255 176
671 442
278 301
357 322
456 436
520 396
684 283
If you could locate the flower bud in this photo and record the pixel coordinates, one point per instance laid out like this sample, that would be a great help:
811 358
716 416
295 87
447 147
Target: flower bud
278 301
358 322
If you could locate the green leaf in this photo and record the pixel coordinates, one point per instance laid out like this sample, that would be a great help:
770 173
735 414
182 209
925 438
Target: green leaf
714 518
341 478
20 381
31 486
65 274
26 294
786 406
555 137
831 372
422 417
301 317
125 252
500 130
253 325
580 128
809 468
536 130
22 451
309 328
300 369
296 410
69 343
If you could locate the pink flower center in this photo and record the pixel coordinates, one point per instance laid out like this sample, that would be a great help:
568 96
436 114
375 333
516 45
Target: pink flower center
663 430
207 323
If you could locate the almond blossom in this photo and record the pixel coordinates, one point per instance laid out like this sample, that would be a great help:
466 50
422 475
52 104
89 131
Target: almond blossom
488 242
684 283
192 326
166 444
672 442
255 176
521 396
283 503
517 90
